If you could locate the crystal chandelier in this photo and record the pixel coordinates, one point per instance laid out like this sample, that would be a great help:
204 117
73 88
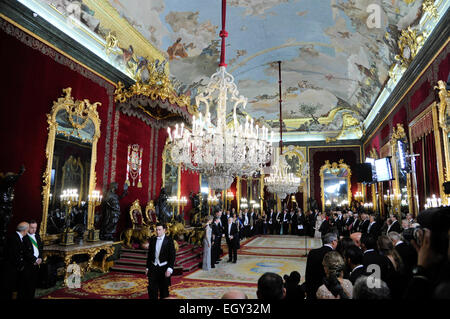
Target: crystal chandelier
212 148
281 181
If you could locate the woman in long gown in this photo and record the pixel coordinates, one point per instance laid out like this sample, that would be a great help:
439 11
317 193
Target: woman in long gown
317 233
207 245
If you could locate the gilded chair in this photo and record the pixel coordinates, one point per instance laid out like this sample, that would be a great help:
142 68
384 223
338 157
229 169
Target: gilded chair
150 213
137 218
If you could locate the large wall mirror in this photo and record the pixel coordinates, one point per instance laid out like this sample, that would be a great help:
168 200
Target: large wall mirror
401 196
335 185
74 129
171 173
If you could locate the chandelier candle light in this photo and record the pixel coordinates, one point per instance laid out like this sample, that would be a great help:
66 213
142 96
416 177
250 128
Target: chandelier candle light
69 198
219 152
95 198
281 181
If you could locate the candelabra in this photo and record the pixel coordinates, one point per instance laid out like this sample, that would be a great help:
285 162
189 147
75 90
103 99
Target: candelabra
359 196
368 206
95 199
228 198
433 202
69 199
212 201
244 203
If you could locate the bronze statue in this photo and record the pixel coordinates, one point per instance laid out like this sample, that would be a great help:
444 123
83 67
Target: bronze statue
111 211
162 207
7 183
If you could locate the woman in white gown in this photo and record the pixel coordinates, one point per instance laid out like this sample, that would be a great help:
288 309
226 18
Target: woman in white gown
319 220
207 245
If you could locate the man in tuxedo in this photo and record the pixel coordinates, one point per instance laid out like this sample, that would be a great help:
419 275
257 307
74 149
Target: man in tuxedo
314 272
394 226
33 252
160 263
372 257
407 252
364 224
252 217
354 228
353 260
293 222
373 229
15 261
232 238
278 223
285 218
348 221
216 239
301 222
223 220
270 217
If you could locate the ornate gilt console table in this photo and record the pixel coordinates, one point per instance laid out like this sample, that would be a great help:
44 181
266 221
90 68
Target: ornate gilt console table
89 248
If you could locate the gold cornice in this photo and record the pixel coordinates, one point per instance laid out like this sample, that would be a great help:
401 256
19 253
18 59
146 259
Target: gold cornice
407 91
56 48
126 34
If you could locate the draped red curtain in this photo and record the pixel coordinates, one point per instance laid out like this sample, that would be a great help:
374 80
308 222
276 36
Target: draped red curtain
431 172
417 148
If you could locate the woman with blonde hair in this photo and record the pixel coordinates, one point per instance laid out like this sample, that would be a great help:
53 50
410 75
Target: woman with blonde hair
335 286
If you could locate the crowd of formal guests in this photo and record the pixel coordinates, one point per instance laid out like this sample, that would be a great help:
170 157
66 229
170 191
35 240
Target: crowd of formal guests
366 257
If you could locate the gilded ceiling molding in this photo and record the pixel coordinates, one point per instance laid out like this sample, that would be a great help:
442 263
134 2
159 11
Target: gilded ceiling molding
349 124
409 45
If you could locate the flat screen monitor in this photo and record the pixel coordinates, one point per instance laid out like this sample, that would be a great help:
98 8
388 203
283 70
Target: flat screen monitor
371 161
384 169
363 173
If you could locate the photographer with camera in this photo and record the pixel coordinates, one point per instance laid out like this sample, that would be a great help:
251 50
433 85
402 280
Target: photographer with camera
431 240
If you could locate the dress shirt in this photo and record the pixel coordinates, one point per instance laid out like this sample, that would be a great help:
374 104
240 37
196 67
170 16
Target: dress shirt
229 229
159 241
246 220
369 250
35 250
328 245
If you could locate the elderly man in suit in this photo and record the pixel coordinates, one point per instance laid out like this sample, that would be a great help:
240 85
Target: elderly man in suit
33 252
14 278
160 263
314 272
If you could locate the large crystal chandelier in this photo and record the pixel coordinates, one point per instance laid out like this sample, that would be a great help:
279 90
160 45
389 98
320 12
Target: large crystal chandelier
281 181
213 148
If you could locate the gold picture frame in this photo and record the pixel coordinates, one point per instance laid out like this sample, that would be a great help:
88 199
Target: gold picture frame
334 169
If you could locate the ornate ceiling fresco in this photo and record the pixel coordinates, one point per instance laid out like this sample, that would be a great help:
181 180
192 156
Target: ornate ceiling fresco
337 55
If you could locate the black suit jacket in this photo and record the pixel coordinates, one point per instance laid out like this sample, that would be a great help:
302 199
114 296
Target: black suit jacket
374 230
363 226
314 272
217 233
355 226
167 252
395 227
373 257
355 274
29 251
15 253
233 232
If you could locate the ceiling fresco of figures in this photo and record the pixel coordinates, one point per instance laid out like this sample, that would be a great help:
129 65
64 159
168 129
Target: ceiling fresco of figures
336 54
332 56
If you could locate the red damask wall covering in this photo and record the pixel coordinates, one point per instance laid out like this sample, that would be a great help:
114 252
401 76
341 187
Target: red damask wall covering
29 87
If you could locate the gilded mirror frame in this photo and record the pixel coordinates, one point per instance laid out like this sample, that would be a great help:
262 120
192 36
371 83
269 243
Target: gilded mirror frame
443 112
167 160
82 109
333 166
399 133
302 171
